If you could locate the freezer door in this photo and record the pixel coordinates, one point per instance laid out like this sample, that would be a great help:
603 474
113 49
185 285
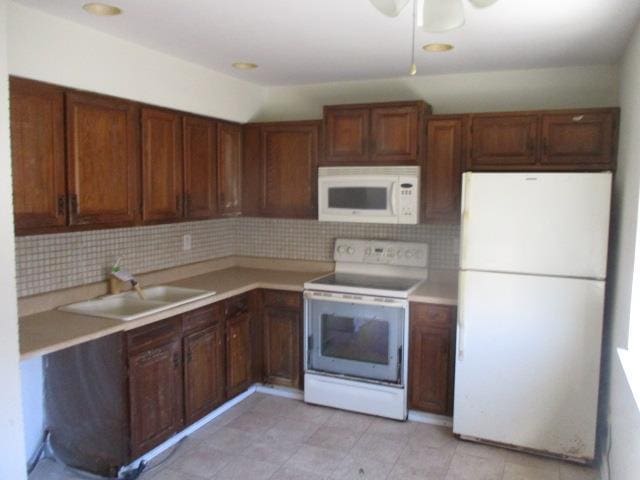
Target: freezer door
540 223
528 361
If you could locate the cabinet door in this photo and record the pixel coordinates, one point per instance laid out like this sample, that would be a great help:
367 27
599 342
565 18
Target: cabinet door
394 134
503 141
155 396
430 358
346 134
238 354
290 156
204 372
37 155
102 160
200 168
229 168
161 165
579 139
442 173
282 346
252 176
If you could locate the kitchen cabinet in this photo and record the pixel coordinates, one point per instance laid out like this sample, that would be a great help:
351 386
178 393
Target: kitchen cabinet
204 361
162 183
229 168
155 384
378 133
200 168
238 325
37 155
282 320
560 140
102 160
281 162
431 362
442 173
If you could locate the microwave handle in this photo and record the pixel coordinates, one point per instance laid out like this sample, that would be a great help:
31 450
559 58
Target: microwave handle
393 198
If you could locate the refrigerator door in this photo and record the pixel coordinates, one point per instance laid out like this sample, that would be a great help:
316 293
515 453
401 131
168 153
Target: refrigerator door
539 223
528 361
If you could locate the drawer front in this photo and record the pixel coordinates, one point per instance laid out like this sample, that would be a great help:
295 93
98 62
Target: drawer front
202 318
279 298
237 305
435 315
153 335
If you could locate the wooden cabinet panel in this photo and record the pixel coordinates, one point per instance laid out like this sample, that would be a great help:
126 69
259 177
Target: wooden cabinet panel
161 165
155 396
102 160
442 173
239 372
229 168
394 134
346 132
200 168
37 155
579 138
502 140
431 363
282 346
204 371
290 156
252 166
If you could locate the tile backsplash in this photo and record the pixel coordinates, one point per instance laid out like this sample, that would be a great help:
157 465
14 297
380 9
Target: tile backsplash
52 262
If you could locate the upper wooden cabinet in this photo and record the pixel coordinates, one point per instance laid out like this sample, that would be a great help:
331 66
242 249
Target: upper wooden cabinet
37 155
280 168
569 140
442 173
102 160
200 168
229 168
379 133
162 166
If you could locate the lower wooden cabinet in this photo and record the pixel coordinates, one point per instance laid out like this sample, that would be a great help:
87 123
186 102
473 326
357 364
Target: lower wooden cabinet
431 362
238 320
282 319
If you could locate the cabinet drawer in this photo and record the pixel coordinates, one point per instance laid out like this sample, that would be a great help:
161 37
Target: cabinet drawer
237 305
153 335
202 318
278 298
435 315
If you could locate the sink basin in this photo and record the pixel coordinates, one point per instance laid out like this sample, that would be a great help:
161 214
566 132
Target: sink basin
128 306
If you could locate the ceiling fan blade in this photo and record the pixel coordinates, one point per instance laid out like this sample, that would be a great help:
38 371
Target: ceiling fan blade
482 3
390 8
442 15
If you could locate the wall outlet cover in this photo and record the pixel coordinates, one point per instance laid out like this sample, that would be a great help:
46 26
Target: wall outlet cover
186 242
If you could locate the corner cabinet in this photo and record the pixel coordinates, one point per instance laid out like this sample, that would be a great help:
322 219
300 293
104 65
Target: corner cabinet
229 168
378 133
431 362
238 325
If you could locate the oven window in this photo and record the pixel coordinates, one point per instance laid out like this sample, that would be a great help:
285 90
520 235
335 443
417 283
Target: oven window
358 198
358 339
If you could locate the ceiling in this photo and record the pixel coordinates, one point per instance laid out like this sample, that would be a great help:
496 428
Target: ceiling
312 41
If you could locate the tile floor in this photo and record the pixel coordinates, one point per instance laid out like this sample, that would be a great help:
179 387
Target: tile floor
267 437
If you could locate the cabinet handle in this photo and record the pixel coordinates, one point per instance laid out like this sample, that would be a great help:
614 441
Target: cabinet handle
234 335
73 204
176 360
187 202
61 205
178 203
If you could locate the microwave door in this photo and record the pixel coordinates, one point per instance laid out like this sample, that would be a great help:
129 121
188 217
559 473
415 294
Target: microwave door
366 200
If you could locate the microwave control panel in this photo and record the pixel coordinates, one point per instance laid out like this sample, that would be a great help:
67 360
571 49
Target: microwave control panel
380 252
408 202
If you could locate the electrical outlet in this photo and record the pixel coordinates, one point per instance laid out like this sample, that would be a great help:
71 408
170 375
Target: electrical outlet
186 242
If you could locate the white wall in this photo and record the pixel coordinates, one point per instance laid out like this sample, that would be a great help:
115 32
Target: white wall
624 414
48 48
595 86
12 455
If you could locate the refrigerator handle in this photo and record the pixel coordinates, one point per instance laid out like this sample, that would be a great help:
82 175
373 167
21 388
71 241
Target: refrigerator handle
466 193
461 319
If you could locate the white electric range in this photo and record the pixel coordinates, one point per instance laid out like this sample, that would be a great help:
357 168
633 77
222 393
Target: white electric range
357 326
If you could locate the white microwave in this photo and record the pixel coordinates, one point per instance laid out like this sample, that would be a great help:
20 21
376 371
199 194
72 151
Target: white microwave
369 194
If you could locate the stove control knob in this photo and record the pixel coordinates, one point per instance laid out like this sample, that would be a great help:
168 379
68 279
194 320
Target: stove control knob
409 254
351 250
341 249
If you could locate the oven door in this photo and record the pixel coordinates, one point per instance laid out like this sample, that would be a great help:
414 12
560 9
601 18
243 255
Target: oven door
358 199
359 337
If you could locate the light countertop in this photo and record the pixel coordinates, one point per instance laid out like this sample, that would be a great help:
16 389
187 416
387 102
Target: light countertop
53 330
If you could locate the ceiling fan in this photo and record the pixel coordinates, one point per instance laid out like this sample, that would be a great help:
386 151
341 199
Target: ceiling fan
437 15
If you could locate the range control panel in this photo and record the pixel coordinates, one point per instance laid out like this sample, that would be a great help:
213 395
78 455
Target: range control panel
381 252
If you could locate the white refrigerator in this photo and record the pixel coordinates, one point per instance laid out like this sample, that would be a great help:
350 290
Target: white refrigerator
533 255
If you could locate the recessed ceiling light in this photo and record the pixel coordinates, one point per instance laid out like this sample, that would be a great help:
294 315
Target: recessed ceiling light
244 65
437 47
102 9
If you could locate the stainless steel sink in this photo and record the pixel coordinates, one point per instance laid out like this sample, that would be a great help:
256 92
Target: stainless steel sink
128 306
